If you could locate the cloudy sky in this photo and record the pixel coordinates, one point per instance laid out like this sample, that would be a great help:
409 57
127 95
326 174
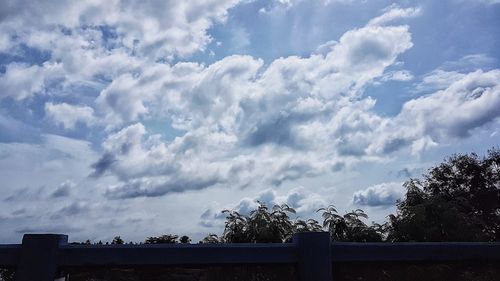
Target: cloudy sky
140 118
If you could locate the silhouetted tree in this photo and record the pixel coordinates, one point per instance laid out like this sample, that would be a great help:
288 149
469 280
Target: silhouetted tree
117 240
458 200
349 227
164 239
273 226
236 228
185 239
210 239
309 225
260 226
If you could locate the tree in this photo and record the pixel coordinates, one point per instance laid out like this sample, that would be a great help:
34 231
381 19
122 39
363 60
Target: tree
309 225
185 239
117 240
349 227
236 228
260 226
211 239
273 226
164 239
458 200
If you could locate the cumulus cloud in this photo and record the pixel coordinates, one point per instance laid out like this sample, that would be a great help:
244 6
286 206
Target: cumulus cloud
245 123
152 28
241 122
380 195
69 115
468 103
21 81
87 45
476 97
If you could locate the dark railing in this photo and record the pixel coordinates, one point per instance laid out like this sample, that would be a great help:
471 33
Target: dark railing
40 255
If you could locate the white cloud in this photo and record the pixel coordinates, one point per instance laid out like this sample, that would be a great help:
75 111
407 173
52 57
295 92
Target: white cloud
246 124
384 194
20 81
90 43
394 12
438 79
152 28
452 71
366 52
468 103
69 115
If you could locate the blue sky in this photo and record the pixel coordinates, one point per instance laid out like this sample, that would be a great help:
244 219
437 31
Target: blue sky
140 118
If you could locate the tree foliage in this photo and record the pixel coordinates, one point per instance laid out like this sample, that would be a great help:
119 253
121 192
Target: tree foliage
185 239
350 226
117 240
163 239
260 226
211 239
458 200
275 226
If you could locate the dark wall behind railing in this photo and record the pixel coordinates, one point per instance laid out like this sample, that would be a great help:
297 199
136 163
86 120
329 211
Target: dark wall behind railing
41 255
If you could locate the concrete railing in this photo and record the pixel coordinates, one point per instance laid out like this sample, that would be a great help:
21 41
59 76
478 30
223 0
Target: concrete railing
40 255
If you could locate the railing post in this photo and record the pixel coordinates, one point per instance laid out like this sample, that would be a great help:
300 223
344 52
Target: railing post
315 261
39 257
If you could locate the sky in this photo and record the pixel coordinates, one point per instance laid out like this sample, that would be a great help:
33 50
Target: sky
142 118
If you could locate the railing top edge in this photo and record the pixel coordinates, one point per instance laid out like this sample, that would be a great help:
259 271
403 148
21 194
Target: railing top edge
10 246
395 244
183 246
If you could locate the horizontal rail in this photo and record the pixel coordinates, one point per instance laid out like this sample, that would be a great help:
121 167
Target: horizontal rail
39 256
77 255
9 254
165 254
418 251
